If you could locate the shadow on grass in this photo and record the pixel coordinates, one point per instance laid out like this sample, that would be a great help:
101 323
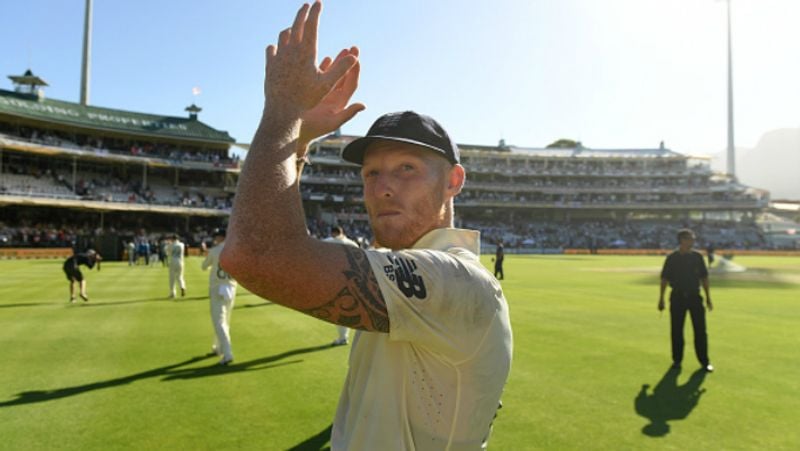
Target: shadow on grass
34 396
139 301
26 304
263 304
251 365
319 442
669 401
168 372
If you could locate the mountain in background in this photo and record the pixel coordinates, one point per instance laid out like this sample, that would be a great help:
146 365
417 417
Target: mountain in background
773 164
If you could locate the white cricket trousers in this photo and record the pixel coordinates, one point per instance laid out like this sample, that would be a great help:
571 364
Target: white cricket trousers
176 277
342 331
221 309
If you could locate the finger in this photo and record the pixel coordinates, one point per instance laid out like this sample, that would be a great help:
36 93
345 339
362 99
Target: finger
337 70
341 55
340 83
312 24
354 51
325 64
350 80
284 37
349 112
299 23
270 56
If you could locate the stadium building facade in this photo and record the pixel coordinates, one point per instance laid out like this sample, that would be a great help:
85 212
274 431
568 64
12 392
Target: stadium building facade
548 199
74 173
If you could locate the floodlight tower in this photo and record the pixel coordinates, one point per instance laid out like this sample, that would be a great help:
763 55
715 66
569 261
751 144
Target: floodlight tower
87 53
731 149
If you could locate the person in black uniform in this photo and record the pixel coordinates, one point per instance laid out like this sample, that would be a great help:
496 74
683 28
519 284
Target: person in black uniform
73 272
685 270
499 255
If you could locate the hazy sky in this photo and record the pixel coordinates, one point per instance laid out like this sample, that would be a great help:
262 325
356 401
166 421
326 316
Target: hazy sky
610 73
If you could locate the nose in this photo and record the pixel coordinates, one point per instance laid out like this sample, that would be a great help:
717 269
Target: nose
382 186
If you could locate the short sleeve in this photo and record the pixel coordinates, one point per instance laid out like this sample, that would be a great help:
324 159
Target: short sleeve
443 301
702 270
665 270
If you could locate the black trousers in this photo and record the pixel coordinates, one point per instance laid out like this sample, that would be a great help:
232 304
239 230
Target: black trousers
498 269
680 303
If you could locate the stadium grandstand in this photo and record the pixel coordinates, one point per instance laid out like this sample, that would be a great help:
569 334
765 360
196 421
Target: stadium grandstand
73 175
551 199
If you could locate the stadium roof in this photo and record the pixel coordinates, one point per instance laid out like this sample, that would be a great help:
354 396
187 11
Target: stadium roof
584 152
580 152
31 107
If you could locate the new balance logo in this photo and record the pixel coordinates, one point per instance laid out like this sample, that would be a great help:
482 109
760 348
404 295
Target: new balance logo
401 271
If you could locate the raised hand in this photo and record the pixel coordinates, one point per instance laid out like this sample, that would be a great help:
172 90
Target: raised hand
332 111
294 84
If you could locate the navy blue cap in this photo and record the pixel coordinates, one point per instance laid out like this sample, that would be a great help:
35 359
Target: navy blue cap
405 127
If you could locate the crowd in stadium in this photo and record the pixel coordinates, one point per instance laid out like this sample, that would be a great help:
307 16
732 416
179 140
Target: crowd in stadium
613 234
162 151
31 180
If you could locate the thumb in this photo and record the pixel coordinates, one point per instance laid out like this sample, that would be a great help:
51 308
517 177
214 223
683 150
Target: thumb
349 112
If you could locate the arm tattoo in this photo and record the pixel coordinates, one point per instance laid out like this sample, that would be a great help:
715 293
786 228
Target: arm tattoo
359 304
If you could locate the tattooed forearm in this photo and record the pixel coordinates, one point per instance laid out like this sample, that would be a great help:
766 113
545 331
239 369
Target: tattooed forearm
359 304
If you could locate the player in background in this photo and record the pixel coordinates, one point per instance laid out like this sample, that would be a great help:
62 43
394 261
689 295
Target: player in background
499 256
338 236
73 272
685 271
175 254
131 248
222 294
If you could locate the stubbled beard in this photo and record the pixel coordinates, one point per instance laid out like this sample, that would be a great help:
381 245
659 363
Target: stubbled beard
408 232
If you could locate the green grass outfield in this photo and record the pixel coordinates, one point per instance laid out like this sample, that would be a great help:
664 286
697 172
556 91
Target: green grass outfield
127 370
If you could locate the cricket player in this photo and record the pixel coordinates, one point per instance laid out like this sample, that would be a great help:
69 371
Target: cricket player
175 255
433 345
73 272
222 294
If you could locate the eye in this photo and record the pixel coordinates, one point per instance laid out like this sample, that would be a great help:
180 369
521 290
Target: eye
370 173
407 167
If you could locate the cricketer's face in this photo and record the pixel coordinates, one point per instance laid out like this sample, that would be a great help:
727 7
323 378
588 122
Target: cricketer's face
686 242
406 192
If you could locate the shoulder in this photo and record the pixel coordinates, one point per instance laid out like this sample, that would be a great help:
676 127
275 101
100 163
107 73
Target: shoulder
426 269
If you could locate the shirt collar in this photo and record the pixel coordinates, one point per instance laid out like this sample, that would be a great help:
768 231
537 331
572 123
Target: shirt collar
446 238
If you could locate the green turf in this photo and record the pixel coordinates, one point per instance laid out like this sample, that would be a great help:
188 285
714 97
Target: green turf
128 370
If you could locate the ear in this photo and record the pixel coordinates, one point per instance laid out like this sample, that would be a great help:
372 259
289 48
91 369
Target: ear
456 179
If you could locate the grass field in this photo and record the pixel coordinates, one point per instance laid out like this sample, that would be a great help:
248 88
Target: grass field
128 369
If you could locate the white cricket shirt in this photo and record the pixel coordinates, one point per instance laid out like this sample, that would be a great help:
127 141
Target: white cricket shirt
219 281
434 382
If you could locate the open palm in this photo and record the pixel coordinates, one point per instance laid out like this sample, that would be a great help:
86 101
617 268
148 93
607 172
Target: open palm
333 110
